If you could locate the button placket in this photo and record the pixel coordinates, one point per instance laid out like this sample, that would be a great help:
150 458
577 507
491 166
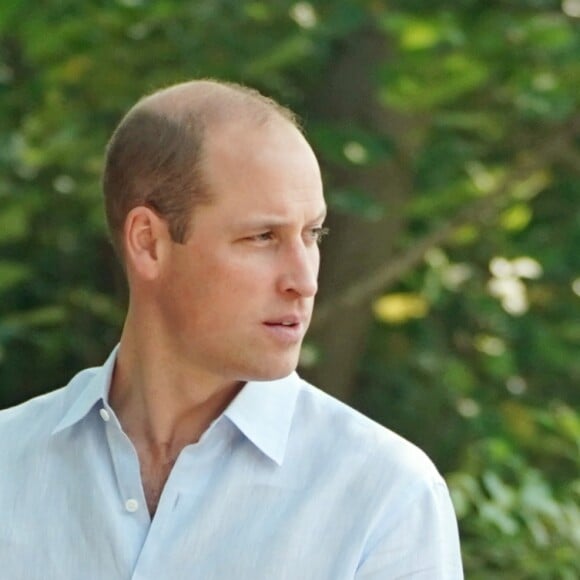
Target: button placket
126 466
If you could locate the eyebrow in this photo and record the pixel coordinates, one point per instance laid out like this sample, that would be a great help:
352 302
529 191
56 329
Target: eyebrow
273 221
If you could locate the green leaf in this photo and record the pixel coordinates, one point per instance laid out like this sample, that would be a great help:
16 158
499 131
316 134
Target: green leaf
425 84
289 52
35 318
13 223
12 274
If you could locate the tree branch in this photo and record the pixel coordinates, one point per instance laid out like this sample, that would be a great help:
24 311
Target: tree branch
484 209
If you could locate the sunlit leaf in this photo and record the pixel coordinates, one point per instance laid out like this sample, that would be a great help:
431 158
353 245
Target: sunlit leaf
399 308
517 217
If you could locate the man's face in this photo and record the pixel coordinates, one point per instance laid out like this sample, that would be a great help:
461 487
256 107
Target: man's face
237 297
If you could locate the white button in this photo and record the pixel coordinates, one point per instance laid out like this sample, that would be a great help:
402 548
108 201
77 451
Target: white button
104 414
131 505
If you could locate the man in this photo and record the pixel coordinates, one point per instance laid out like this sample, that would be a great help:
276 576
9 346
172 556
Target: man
196 452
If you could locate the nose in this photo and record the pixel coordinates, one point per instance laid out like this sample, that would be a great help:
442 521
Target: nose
299 271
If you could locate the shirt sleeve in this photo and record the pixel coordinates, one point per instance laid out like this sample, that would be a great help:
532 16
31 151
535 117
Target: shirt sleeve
420 542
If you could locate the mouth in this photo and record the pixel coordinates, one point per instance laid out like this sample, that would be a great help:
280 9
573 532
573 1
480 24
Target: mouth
290 321
287 330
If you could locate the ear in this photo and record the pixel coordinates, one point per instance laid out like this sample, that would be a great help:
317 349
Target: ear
146 238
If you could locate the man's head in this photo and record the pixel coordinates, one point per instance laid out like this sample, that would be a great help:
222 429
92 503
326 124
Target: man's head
155 157
218 222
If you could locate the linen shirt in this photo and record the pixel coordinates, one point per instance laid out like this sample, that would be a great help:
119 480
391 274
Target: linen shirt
286 484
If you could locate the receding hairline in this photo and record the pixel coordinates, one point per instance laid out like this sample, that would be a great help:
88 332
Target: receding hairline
213 102
214 106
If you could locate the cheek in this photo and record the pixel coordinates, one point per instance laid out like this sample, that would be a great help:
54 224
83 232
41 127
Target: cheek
248 274
217 289
222 293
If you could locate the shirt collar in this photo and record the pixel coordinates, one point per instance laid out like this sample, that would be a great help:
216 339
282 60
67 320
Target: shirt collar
97 389
263 412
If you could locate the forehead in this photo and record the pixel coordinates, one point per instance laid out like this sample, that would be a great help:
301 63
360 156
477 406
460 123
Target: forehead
266 167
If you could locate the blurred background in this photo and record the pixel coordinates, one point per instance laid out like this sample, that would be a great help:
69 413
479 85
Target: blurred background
448 134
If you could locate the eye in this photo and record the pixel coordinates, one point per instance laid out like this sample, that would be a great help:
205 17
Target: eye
262 237
319 233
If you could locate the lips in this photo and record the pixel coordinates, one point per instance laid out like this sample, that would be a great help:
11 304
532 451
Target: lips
285 321
286 329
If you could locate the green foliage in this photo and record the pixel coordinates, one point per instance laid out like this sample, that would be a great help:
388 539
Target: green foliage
485 374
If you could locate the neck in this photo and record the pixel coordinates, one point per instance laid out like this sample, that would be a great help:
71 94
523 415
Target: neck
162 403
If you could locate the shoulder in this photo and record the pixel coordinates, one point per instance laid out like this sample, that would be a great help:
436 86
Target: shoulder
399 515
344 430
34 420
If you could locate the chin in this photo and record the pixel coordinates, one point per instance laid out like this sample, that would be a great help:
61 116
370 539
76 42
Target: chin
277 370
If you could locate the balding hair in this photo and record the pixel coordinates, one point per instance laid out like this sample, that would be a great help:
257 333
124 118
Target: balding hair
155 155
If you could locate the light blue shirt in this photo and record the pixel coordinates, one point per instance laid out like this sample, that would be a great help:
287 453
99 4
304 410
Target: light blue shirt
287 484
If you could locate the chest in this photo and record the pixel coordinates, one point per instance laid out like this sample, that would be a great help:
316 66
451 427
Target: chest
154 476
225 528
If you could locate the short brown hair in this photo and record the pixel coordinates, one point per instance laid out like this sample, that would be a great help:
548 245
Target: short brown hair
155 156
